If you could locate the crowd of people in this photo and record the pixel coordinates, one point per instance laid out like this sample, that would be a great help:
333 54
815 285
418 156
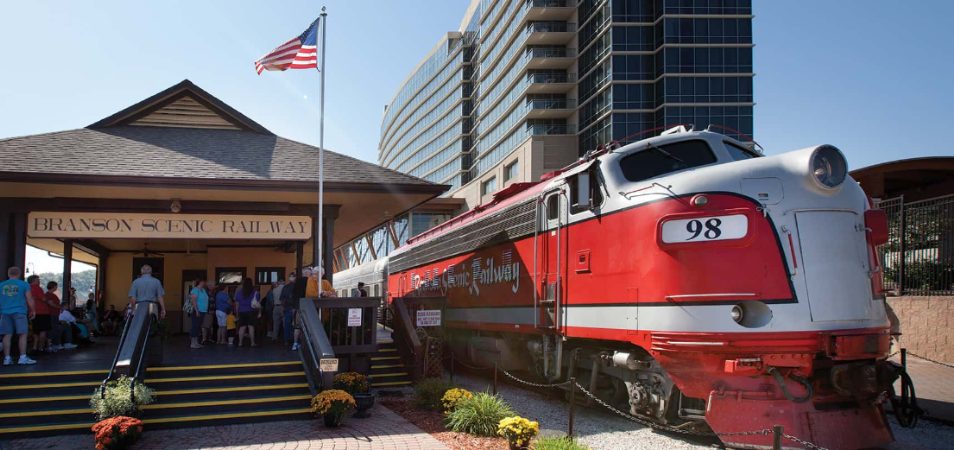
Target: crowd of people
220 314
240 315
32 313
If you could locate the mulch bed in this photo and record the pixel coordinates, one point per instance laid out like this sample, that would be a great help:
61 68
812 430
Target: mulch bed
432 422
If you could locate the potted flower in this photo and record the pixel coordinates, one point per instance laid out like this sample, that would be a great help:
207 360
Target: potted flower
117 433
453 396
357 385
518 431
332 405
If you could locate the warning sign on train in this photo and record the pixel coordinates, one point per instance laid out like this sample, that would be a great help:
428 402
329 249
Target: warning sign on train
429 318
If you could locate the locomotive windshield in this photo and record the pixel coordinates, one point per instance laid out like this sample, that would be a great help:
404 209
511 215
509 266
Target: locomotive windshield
659 160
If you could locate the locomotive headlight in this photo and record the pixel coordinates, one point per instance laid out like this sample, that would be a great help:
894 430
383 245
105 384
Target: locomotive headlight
828 167
737 313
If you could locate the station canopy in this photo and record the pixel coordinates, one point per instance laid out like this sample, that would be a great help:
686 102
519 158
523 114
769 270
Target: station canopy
185 147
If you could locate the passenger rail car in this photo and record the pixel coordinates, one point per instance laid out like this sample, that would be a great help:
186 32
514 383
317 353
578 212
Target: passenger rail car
686 278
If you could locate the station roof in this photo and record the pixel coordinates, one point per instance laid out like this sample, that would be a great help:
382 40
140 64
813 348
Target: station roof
915 178
185 133
185 144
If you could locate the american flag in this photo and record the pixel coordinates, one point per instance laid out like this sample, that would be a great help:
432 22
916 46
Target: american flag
301 52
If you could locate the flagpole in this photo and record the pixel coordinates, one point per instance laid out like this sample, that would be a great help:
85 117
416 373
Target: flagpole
319 241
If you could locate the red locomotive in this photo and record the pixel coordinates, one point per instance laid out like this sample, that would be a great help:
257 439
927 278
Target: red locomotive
686 279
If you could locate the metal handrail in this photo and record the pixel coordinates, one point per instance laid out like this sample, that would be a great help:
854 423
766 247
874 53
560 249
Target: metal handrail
112 366
139 365
308 311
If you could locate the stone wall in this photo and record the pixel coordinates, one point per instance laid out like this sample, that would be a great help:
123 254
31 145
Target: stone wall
927 325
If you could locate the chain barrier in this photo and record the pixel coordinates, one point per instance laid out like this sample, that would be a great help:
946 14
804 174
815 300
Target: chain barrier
807 444
532 384
910 353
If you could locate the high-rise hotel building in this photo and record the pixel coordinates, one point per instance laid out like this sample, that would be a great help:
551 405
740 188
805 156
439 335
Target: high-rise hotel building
527 86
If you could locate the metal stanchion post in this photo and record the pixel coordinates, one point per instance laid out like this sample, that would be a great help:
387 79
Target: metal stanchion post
569 428
495 377
777 437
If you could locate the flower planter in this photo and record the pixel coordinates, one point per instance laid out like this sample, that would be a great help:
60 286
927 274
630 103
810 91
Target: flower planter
514 446
332 420
363 401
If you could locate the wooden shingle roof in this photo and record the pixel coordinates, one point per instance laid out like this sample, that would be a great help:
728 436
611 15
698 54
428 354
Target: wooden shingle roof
211 141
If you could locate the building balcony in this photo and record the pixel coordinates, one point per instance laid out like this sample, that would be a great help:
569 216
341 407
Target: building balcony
550 32
555 57
550 82
550 129
550 9
550 108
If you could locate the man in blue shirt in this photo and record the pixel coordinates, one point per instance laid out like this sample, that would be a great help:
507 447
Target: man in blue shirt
16 304
147 289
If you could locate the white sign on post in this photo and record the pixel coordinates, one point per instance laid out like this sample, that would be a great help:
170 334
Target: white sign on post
328 364
354 317
429 318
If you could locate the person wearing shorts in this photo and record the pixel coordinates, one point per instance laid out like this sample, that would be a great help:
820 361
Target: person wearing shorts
246 300
223 306
41 322
16 306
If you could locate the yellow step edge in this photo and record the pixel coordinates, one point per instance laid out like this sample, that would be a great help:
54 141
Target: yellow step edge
53 374
50 385
49 412
392 383
387 349
62 426
230 389
240 401
226 416
382 375
44 399
222 366
384 358
387 366
224 377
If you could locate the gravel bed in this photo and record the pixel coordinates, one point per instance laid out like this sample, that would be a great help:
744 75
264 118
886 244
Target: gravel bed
606 431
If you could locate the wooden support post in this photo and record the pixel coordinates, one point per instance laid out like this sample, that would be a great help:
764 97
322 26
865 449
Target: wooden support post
68 272
777 437
569 428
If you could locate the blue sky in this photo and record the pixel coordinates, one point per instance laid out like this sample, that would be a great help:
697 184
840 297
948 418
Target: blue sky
872 77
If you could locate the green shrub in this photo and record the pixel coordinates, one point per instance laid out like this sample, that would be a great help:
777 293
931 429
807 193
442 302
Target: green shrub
428 393
558 443
479 415
117 401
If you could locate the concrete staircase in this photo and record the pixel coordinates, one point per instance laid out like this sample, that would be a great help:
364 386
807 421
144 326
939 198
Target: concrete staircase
45 403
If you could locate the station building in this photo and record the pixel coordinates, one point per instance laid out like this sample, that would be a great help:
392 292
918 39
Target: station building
189 185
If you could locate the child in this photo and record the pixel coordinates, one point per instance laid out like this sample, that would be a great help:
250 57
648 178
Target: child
230 326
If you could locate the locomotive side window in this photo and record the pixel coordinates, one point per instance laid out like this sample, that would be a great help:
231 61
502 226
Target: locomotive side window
739 153
553 207
584 191
659 160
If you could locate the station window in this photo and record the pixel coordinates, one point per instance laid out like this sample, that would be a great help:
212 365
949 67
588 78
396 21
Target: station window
268 275
229 275
488 186
512 171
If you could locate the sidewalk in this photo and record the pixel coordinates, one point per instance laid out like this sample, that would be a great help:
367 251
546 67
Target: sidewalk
934 387
385 430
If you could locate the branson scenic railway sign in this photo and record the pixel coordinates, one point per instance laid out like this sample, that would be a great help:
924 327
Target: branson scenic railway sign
44 224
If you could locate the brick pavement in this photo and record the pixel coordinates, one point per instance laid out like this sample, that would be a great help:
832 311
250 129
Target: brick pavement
934 386
385 430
